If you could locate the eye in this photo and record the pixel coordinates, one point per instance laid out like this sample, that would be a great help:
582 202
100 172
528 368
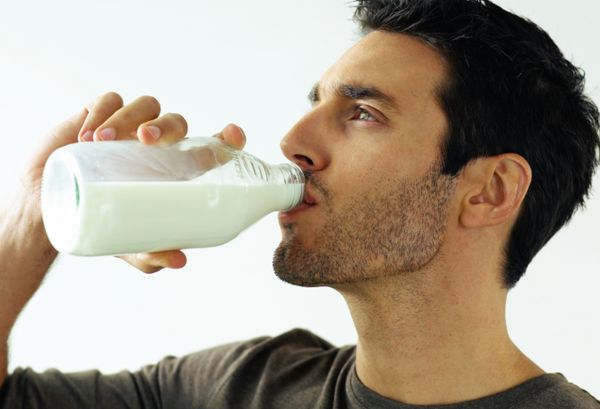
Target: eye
362 114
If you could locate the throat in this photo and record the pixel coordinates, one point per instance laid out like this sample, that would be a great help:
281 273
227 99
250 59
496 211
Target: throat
420 346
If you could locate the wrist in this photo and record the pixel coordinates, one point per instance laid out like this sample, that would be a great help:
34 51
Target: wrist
22 223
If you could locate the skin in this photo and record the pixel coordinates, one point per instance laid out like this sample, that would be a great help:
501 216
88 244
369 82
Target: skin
417 255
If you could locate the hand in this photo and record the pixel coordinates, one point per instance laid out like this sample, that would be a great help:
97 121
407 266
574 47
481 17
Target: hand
108 119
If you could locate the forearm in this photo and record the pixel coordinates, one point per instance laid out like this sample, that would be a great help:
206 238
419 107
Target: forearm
25 257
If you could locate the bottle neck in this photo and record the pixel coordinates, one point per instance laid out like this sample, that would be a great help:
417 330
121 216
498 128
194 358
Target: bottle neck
292 177
288 178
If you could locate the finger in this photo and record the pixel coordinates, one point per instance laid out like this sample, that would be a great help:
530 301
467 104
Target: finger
124 123
153 262
233 135
98 112
133 260
167 129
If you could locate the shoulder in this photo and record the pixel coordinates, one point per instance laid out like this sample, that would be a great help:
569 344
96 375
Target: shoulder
562 394
296 340
294 346
294 369
212 375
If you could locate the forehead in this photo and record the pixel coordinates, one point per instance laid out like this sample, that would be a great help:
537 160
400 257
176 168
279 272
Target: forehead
402 66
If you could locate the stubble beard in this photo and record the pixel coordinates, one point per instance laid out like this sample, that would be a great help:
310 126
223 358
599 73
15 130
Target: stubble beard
397 228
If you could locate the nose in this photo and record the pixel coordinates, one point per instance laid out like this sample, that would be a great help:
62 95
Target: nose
306 143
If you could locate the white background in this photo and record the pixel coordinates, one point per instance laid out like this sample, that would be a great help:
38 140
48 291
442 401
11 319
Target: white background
249 62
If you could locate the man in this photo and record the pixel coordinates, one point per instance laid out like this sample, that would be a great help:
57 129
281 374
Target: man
442 152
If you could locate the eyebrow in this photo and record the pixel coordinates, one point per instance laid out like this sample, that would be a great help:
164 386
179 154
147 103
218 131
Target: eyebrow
354 92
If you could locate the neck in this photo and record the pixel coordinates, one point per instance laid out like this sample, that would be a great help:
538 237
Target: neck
424 338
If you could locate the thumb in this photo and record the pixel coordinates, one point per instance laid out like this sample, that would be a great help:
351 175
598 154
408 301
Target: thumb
63 134
67 131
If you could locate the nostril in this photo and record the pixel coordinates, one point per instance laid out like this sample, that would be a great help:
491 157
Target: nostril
304 159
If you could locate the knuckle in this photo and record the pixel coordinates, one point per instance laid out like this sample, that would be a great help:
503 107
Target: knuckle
142 261
112 98
149 269
150 101
180 121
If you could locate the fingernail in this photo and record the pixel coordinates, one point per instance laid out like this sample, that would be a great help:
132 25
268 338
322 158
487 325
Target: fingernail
87 136
154 131
107 134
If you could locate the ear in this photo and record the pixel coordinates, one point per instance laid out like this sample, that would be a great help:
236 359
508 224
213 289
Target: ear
497 186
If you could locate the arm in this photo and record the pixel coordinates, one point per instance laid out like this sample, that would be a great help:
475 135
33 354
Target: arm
25 252
25 256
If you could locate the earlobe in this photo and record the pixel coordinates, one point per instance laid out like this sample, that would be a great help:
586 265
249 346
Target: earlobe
500 184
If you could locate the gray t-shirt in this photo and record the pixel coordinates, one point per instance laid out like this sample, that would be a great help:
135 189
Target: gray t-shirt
294 370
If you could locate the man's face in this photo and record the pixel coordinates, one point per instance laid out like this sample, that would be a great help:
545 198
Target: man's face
370 146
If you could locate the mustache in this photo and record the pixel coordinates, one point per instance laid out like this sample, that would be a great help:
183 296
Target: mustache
316 183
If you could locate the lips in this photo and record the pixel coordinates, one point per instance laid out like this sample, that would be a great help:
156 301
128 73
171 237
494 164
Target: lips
307 202
308 199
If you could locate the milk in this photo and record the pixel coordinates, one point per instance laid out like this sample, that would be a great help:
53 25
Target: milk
129 217
121 197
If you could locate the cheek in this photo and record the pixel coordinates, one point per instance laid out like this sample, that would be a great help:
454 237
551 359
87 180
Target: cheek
422 141
352 177
356 173
356 184
375 154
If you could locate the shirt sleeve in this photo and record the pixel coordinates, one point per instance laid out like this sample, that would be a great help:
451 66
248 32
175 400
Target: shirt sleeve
172 383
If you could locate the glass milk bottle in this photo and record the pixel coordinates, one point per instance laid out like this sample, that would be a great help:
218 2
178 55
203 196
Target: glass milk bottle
121 197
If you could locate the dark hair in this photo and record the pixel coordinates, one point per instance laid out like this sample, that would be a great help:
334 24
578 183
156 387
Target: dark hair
510 89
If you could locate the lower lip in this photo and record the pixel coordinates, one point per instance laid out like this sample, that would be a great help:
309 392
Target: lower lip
294 212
